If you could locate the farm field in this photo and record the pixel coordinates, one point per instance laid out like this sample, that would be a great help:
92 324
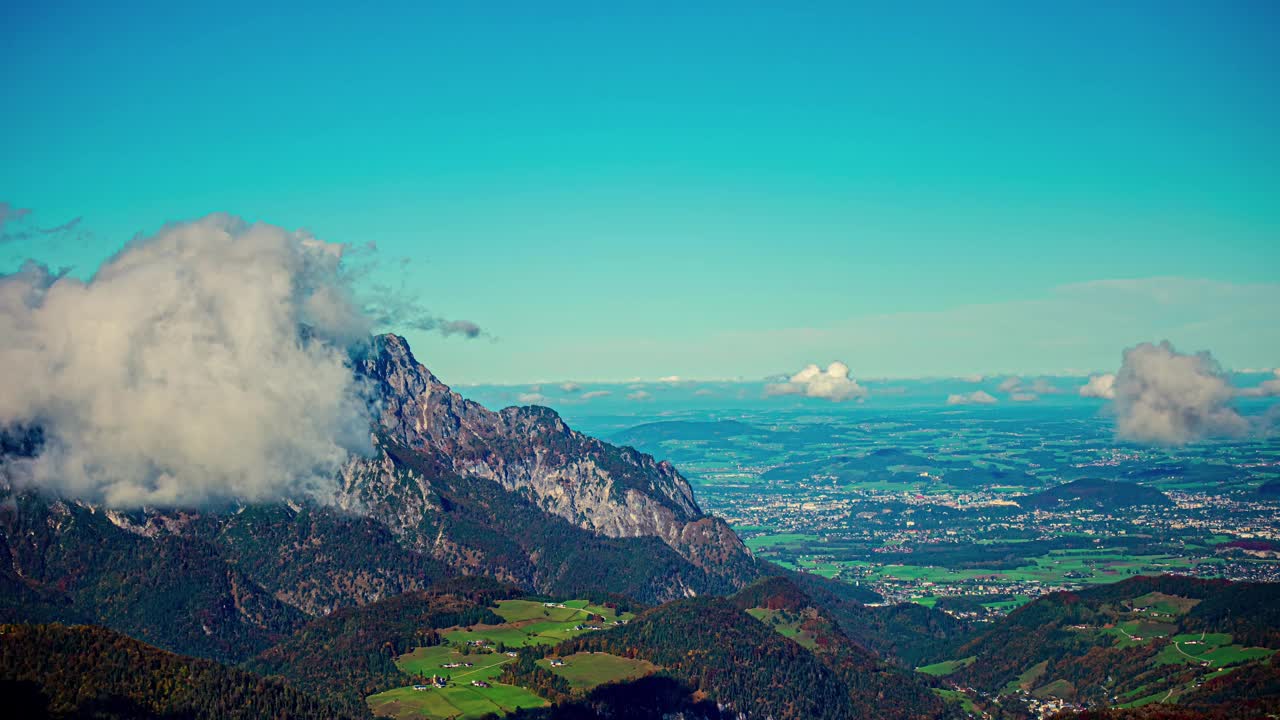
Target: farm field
946 667
427 662
532 622
1213 649
479 654
456 702
587 670
785 624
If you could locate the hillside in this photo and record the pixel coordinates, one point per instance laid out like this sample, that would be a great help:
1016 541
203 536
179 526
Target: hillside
60 671
349 654
1142 640
1094 493
767 652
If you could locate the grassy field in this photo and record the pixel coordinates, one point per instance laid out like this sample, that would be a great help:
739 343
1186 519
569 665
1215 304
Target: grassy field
1026 680
426 661
587 670
945 667
533 622
456 702
1158 603
785 624
966 703
1214 649
528 622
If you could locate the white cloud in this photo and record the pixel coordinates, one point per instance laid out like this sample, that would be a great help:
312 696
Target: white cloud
972 378
1267 388
593 394
1165 397
1023 397
531 398
833 384
639 395
177 374
1100 386
977 397
570 387
670 380
1041 386
1016 386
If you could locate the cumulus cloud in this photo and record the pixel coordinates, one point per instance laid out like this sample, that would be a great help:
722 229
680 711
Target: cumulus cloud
531 398
832 384
670 380
206 362
1165 397
1016 386
1041 386
639 395
570 387
972 378
1100 386
1267 388
593 394
977 397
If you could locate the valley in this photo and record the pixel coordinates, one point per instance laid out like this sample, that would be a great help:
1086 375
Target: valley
978 511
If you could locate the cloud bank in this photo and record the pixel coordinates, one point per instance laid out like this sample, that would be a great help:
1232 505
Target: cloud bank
1267 388
1100 386
181 371
1165 397
977 397
833 384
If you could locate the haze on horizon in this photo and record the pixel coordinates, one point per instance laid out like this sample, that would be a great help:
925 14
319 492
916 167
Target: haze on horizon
594 194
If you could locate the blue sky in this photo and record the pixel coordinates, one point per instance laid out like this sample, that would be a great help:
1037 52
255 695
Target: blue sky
715 192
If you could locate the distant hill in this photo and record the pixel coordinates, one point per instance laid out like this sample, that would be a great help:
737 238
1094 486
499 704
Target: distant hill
1146 637
1252 691
1094 493
59 671
650 434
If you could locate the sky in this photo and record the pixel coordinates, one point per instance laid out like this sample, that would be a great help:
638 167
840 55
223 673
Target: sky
736 190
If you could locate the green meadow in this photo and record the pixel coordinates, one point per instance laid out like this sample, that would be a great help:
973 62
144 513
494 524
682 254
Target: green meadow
587 670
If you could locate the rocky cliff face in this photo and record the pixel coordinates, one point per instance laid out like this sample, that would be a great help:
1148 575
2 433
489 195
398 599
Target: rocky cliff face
611 491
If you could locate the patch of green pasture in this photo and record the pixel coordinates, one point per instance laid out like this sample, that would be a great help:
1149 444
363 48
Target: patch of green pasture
966 702
587 670
426 661
1026 680
946 667
517 610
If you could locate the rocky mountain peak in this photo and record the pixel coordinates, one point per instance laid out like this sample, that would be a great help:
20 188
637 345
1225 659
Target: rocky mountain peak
611 491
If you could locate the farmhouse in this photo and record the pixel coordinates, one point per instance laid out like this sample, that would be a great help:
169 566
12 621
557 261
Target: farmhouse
480 683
